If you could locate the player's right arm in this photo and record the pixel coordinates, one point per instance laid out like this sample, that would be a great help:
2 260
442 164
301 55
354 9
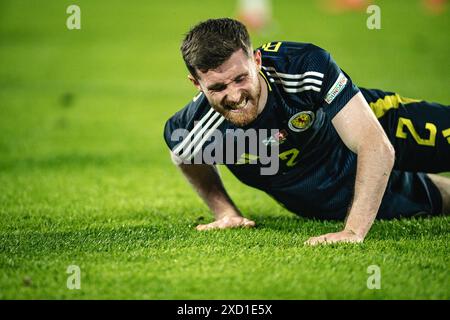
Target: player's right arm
206 181
203 177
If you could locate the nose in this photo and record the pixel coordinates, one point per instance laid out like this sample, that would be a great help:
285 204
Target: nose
234 96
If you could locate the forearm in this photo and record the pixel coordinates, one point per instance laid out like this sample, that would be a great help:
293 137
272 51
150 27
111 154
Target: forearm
206 181
374 166
361 132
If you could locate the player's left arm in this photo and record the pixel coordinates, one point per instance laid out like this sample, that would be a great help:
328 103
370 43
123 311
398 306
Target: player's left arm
362 133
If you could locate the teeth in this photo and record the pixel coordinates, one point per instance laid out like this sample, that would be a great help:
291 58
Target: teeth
242 104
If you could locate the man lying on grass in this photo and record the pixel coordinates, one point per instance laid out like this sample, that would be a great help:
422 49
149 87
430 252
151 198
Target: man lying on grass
335 151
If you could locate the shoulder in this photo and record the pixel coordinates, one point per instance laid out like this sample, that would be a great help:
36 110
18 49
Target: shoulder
193 111
196 117
293 57
297 69
307 76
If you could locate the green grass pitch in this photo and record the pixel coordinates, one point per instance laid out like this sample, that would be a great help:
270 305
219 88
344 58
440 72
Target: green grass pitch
85 177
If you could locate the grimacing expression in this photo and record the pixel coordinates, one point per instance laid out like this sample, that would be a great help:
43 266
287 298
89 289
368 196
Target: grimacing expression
233 89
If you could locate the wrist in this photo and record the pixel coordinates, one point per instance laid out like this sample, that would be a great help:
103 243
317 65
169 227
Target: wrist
355 232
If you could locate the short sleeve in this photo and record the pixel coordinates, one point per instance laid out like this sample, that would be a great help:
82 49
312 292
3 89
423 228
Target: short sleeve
194 134
336 87
170 135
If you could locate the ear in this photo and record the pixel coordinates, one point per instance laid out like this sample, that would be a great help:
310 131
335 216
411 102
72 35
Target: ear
194 82
258 59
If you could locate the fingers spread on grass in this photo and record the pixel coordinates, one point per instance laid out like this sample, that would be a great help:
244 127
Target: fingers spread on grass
249 223
227 222
329 238
209 226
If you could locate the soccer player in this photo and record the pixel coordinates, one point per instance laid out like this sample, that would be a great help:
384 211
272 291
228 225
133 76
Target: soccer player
344 152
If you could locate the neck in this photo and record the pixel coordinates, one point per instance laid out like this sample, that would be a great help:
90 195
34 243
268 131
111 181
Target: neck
263 96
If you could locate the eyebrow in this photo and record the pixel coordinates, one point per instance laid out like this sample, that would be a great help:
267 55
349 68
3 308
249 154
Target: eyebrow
219 85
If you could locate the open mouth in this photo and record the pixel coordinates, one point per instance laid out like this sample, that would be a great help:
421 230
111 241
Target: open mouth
239 107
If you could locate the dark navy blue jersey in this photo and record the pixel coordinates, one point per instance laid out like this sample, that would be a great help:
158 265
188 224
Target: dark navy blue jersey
306 89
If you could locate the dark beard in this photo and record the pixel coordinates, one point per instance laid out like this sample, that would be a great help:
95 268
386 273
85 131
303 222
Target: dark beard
243 119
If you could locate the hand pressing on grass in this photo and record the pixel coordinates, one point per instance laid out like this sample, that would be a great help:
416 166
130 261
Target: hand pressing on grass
227 222
342 236
206 181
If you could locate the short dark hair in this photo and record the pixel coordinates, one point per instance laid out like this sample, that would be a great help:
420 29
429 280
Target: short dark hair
210 43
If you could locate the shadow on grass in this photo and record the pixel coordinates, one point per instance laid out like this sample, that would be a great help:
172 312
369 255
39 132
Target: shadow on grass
421 227
294 224
170 236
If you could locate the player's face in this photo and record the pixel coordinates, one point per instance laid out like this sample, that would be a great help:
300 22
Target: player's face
233 89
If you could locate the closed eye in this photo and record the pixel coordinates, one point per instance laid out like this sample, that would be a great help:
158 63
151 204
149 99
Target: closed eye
222 86
240 78
217 88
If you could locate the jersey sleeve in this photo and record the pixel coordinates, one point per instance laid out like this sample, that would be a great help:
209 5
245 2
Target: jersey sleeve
177 129
174 123
192 134
334 90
